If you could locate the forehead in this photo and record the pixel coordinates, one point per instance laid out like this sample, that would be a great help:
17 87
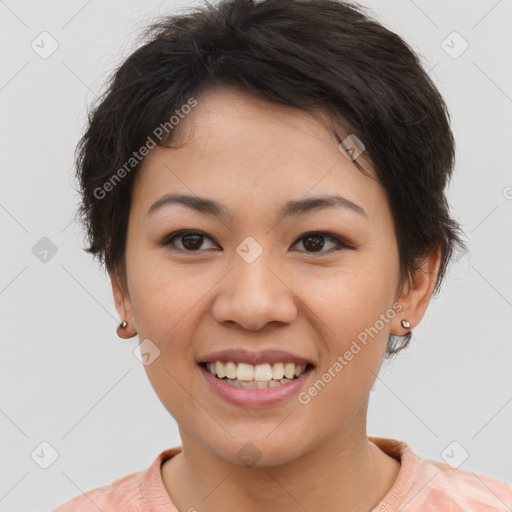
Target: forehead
234 145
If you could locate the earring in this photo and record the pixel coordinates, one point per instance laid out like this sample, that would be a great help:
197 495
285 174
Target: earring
405 324
121 330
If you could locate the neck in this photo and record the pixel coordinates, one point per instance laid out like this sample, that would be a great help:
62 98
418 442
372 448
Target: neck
346 472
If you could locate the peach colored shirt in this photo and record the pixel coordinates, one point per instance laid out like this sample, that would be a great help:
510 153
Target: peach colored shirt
422 485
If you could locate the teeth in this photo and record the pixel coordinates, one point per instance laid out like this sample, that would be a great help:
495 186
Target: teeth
261 375
278 371
231 370
263 372
243 371
299 369
219 368
289 370
254 384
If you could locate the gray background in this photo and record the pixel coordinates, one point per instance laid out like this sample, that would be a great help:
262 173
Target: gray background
67 380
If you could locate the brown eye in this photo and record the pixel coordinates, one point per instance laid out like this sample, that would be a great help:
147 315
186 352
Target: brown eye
190 241
315 242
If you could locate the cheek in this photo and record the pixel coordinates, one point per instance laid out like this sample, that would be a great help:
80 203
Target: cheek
353 309
165 296
351 298
354 338
165 306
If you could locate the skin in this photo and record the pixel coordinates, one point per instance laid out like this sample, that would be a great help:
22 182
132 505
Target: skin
253 156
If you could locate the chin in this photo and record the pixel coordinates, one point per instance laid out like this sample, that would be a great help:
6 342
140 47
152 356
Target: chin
258 451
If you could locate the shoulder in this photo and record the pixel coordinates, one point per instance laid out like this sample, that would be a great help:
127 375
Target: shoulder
143 490
464 490
439 486
123 492
426 485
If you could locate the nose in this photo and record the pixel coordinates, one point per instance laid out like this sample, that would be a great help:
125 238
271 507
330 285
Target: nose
255 294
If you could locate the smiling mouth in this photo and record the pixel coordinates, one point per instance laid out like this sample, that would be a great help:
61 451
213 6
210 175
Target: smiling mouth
259 376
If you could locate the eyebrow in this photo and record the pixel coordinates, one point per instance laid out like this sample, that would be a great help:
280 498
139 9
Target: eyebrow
291 208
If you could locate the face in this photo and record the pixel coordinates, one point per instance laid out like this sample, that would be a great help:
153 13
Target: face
248 277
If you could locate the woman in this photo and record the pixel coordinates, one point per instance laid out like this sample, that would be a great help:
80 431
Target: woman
265 183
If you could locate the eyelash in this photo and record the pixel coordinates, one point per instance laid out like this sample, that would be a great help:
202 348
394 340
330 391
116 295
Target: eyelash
340 244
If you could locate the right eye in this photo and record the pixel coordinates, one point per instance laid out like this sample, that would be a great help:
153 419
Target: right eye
190 241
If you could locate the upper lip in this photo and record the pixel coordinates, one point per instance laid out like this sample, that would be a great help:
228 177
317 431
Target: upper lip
245 356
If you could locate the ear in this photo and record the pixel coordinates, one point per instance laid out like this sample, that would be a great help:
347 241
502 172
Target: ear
123 305
417 293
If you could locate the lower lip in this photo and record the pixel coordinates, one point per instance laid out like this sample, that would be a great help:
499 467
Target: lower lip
255 397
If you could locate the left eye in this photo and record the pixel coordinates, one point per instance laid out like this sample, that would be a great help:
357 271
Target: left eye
314 241
191 241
